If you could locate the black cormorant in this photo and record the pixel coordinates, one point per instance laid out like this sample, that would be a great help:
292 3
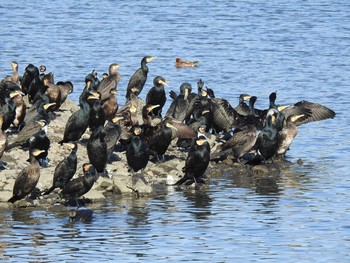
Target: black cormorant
156 95
27 179
80 185
110 105
137 152
65 169
197 161
179 105
40 141
97 150
78 122
138 79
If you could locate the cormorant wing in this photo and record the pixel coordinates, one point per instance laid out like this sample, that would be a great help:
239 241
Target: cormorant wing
318 112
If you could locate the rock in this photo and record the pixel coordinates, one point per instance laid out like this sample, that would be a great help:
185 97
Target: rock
5 195
94 195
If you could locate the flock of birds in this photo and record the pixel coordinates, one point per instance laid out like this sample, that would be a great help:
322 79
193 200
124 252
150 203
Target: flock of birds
141 128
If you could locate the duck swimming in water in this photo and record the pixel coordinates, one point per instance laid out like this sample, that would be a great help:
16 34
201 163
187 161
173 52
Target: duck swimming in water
179 63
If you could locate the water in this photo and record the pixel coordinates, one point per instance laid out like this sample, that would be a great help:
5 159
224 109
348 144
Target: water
298 48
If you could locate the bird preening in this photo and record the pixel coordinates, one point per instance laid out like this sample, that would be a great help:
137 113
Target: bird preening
199 129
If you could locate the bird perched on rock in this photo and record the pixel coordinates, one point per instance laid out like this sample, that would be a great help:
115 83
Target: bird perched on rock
197 161
65 169
97 150
27 179
137 153
80 185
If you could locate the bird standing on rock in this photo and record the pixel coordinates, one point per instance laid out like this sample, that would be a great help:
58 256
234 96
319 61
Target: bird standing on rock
80 185
197 161
27 179
65 169
97 150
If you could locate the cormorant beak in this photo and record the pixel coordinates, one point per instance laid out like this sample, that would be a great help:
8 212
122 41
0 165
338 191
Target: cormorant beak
114 91
204 93
137 131
71 145
205 111
200 142
201 129
247 97
134 89
187 91
150 108
132 108
86 167
117 118
88 83
170 125
273 118
41 123
164 82
14 94
94 96
48 105
149 59
36 152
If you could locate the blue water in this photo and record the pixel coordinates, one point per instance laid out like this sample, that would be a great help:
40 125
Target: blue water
301 49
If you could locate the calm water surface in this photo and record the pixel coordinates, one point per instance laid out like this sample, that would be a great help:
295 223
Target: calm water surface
301 49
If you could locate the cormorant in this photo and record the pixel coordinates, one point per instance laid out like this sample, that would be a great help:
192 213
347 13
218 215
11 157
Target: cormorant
28 131
178 107
97 149
14 76
267 141
156 95
65 169
239 144
287 135
40 141
27 179
34 86
158 138
8 109
110 105
97 115
20 111
242 108
197 161
137 153
138 79
80 185
28 76
78 122
93 81
113 132
110 82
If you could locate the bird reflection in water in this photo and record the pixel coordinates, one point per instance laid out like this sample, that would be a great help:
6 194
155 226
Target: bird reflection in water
201 202
83 215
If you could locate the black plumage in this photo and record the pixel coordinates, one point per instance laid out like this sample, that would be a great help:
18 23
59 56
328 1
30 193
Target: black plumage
137 152
65 169
78 122
156 95
178 107
97 149
197 161
113 132
80 185
97 115
27 179
40 141
139 78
